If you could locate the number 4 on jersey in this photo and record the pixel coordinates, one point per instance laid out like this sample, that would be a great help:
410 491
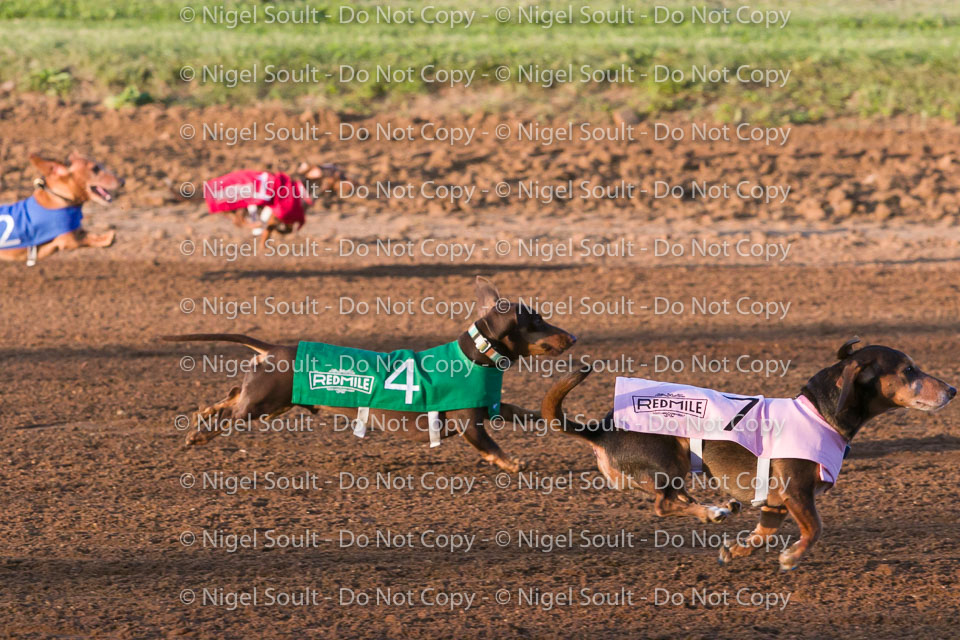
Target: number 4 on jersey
408 386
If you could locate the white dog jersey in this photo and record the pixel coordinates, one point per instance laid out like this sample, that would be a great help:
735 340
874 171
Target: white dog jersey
767 427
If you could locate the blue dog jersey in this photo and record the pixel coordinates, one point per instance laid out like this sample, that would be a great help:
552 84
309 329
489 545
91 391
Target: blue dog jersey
26 224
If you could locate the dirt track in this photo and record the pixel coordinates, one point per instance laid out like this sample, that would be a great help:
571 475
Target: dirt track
895 171
94 505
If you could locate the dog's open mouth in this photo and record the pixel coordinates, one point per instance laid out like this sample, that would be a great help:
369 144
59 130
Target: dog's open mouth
100 193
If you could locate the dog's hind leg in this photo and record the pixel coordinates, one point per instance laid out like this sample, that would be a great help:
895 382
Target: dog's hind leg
668 501
762 536
662 473
671 502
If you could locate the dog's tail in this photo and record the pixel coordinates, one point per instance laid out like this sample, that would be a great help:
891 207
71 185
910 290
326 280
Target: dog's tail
257 345
552 407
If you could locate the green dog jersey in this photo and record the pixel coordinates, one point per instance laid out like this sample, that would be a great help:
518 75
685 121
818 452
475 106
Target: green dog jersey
439 379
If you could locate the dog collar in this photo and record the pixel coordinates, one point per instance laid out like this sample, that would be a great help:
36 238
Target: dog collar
40 183
484 346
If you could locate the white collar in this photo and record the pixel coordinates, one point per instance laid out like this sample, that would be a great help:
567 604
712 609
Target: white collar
484 346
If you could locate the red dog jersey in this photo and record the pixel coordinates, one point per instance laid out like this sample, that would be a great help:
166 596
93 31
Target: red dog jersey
240 189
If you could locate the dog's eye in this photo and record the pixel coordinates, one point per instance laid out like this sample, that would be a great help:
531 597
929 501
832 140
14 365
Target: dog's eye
909 370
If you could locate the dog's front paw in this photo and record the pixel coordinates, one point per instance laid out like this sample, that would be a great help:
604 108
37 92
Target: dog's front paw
726 555
512 465
788 561
198 437
716 515
101 240
194 439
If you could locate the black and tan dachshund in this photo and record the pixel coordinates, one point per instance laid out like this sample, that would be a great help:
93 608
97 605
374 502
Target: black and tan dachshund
861 386
505 330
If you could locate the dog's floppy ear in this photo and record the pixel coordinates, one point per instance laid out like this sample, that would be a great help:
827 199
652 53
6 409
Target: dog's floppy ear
846 381
854 372
846 350
487 294
48 167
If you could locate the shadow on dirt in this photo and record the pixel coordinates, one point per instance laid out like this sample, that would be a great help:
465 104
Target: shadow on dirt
389 271
864 450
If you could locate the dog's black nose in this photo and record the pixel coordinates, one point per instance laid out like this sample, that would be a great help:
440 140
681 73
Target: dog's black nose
951 391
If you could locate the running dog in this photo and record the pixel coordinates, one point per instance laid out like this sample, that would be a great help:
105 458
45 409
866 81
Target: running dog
50 220
268 202
503 332
833 405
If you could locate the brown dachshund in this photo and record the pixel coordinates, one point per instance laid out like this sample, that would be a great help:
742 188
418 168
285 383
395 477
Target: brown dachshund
861 386
49 221
506 330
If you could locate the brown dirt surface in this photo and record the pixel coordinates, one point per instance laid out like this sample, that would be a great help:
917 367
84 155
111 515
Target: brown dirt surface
843 171
92 463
